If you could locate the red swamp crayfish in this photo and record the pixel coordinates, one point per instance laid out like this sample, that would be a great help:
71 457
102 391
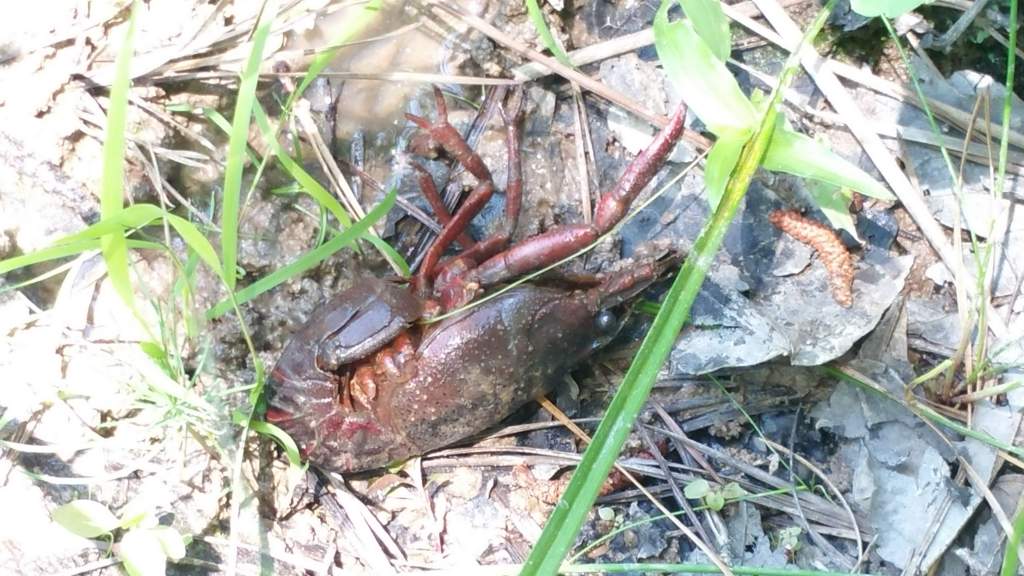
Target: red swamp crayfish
364 382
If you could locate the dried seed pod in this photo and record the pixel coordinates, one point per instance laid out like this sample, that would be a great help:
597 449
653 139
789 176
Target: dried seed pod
833 254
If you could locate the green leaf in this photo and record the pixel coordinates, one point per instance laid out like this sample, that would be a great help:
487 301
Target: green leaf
541 25
697 489
158 355
86 518
1012 549
834 202
138 513
112 179
705 83
63 251
142 553
567 517
135 216
927 413
113 246
197 242
171 541
887 8
159 382
291 449
711 24
115 255
141 215
800 155
238 144
45 254
721 161
733 491
714 500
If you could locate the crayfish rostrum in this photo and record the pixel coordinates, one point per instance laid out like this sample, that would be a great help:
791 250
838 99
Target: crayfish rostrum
366 382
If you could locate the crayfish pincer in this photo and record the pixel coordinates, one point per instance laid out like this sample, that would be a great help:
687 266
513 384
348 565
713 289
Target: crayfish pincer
369 379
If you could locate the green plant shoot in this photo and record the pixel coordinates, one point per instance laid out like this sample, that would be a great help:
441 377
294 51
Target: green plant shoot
695 62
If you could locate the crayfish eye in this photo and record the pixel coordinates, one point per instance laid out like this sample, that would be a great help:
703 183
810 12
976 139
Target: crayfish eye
607 323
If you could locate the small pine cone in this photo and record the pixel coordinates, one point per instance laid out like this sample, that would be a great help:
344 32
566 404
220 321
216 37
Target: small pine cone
833 254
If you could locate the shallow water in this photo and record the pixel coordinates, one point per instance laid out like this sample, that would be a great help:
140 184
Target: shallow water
397 42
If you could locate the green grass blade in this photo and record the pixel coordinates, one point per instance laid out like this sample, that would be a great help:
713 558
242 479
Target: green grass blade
135 216
46 254
568 516
238 144
291 449
63 251
1011 558
325 199
51 273
1004 134
307 182
389 253
548 39
348 30
926 413
352 26
670 568
113 246
112 180
310 259
197 242
115 254
218 120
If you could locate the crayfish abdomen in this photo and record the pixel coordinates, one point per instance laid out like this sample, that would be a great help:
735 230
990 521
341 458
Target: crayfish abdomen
466 373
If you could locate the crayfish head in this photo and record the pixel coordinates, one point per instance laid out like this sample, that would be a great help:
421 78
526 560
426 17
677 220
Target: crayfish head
630 277
611 299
